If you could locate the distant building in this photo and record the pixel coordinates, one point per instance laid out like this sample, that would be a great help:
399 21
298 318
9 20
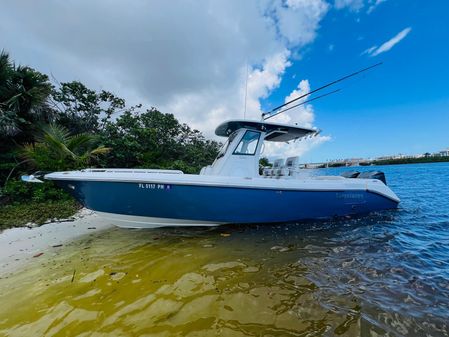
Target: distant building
368 161
444 153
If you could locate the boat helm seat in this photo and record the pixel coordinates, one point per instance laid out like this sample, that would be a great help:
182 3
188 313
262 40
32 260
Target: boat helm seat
350 174
278 163
291 165
266 171
379 175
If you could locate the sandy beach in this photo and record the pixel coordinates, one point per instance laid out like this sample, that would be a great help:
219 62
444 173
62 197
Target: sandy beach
20 245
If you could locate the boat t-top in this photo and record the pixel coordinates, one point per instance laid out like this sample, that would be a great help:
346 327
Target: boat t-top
231 190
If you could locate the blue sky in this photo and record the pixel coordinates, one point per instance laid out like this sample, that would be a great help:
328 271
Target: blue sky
191 59
399 107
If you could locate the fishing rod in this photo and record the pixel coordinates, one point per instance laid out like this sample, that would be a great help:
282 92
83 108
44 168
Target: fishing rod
302 103
318 89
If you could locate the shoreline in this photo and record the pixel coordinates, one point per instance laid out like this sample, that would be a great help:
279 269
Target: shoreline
374 164
20 245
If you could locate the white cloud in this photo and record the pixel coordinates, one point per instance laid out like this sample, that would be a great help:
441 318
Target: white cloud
373 5
357 5
392 42
298 20
374 50
354 5
303 116
188 59
369 50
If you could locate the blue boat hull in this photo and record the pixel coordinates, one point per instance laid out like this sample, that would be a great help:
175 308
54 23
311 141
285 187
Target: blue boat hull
220 204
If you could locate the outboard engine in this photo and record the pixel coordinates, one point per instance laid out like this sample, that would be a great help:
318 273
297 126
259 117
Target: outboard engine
350 174
373 175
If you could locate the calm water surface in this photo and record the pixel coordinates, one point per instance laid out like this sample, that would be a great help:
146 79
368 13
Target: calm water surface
384 274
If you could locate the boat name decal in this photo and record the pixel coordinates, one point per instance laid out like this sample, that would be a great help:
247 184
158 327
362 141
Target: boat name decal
349 195
155 186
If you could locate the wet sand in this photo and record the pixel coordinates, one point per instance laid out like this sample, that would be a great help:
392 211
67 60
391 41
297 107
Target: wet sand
23 244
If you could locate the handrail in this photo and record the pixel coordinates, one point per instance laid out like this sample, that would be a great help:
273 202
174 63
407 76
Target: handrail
113 170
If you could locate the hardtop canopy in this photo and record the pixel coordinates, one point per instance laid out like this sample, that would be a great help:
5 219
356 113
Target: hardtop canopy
276 132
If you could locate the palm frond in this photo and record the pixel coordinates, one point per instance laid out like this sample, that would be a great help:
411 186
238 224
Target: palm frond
5 67
33 153
78 141
8 122
57 132
56 136
57 149
100 150
27 151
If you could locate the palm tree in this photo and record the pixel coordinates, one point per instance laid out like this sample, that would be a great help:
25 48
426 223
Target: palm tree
8 124
23 97
56 149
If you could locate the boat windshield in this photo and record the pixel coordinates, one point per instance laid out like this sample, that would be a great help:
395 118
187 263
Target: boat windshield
224 148
248 144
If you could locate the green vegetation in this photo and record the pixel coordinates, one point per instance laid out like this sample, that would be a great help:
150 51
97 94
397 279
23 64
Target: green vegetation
16 215
55 149
24 203
47 127
425 159
338 164
152 139
23 100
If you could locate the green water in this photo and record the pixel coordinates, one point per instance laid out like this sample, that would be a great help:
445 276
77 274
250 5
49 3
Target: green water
171 283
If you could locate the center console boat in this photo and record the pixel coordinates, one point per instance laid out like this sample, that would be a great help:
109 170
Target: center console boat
229 191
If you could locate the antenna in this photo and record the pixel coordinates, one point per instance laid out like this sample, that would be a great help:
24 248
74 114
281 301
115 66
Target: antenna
318 89
246 90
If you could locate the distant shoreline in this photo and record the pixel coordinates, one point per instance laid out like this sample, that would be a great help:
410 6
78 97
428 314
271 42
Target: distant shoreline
423 160
399 161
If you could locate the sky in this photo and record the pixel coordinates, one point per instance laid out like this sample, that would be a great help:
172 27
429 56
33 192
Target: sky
200 59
